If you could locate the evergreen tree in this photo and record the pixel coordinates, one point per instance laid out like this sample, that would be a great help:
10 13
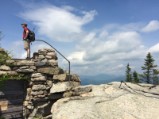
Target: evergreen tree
148 68
155 77
135 77
128 73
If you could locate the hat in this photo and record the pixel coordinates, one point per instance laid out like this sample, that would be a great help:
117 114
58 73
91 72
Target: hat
24 24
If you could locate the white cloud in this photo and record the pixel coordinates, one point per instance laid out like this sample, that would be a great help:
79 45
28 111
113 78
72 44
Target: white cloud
59 23
120 42
107 54
154 49
77 56
103 50
151 26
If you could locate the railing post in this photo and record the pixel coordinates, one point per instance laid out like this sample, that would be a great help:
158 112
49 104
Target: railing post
69 63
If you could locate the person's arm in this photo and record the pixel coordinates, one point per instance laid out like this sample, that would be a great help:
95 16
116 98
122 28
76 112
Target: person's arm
27 32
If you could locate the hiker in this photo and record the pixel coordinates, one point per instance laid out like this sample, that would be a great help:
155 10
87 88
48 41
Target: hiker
26 39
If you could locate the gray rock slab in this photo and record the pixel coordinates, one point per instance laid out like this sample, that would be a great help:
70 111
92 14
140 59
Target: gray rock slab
53 62
8 73
25 70
24 63
5 68
42 78
36 75
66 77
108 101
39 87
50 70
63 86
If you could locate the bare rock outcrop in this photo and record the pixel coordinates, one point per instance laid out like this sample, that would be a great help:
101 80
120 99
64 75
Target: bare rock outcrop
109 101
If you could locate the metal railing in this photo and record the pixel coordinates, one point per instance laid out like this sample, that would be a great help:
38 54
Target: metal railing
69 63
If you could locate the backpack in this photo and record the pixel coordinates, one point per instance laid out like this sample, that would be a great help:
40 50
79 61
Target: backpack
31 36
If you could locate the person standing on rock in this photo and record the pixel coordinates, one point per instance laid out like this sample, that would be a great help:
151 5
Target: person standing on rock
26 39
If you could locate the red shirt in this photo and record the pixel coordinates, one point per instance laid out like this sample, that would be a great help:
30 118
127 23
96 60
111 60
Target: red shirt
24 32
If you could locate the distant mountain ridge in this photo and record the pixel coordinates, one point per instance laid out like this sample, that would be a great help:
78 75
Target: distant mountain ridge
100 79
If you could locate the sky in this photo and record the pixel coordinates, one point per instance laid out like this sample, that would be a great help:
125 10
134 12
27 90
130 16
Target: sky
98 37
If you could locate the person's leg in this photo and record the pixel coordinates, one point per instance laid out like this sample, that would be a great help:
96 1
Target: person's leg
28 49
28 52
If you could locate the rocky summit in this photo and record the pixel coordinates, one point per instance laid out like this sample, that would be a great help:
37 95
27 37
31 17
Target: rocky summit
52 93
109 101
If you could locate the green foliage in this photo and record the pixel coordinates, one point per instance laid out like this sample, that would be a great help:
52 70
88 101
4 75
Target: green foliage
38 116
135 77
2 118
148 68
6 77
4 55
155 77
128 73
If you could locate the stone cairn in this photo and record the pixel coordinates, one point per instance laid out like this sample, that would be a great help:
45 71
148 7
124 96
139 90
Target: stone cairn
47 82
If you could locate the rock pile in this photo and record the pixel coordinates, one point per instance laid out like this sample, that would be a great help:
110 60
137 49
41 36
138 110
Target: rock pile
37 99
47 81
46 57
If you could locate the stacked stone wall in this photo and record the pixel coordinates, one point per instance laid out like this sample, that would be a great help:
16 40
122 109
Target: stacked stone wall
47 81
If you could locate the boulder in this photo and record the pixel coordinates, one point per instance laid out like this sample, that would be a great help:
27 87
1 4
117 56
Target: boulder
51 54
36 75
24 63
42 78
34 93
50 70
63 86
42 51
49 83
33 67
28 70
39 64
10 62
2 50
44 60
41 57
48 57
78 91
53 62
11 73
66 77
61 77
110 101
5 68
3 73
39 87
75 77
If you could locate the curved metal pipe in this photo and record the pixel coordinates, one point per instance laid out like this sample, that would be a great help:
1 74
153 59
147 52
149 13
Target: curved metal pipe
69 63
